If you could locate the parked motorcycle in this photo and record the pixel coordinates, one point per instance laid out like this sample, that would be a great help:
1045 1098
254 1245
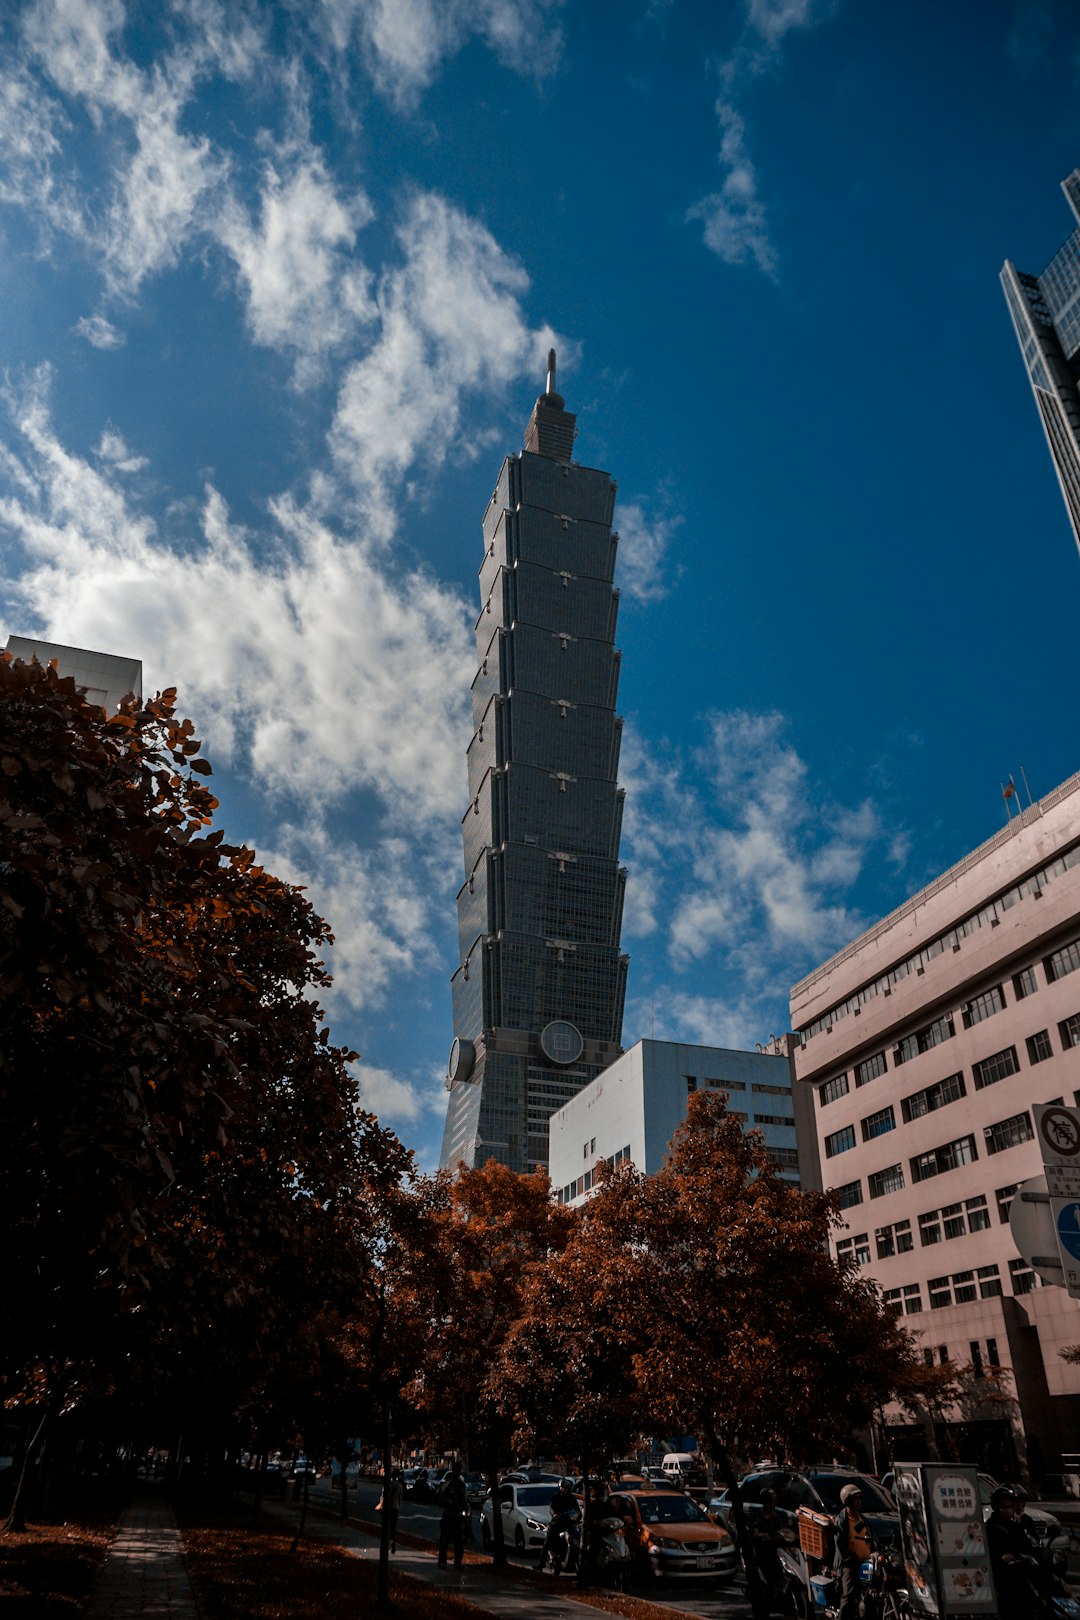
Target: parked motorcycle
611 1555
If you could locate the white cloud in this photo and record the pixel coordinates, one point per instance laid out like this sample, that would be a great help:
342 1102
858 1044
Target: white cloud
643 548
303 658
451 323
406 42
304 292
111 448
99 332
735 218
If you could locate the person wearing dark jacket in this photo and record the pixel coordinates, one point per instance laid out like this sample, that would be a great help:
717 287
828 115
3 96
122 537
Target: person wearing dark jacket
455 1514
854 1545
1010 1556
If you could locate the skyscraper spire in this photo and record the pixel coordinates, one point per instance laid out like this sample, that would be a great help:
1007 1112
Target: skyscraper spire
551 430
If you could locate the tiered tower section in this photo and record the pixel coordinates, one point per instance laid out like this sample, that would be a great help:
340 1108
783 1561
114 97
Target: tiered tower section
538 997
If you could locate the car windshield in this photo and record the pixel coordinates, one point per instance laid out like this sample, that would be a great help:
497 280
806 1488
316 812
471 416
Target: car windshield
874 1499
792 1490
670 1510
535 1495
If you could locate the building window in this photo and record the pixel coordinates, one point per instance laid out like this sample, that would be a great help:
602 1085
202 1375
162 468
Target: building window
992 1353
1004 1196
905 1301
856 1248
1038 1046
996 1067
940 1291
849 1194
932 1098
947 1157
839 1141
1064 961
833 1089
894 1239
942 1029
870 1068
773 1119
959 1289
1021 1277
989 1281
1069 1030
691 1083
878 1124
985 1006
1025 983
1008 1133
953 1221
883 1182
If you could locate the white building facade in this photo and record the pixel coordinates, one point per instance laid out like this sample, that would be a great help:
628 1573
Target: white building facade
926 1044
633 1109
103 678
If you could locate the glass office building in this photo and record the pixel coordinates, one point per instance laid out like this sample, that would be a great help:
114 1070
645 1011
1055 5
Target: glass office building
538 996
1045 311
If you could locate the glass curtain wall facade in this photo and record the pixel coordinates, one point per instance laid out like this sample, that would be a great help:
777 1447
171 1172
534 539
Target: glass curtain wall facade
538 997
1045 311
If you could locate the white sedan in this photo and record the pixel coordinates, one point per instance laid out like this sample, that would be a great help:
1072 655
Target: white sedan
526 1514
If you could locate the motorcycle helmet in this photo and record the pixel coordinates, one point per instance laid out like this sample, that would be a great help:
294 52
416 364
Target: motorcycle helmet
768 1496
1002 1495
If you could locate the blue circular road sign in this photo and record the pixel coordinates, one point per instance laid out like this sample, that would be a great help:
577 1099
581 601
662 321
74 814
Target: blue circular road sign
1068 1225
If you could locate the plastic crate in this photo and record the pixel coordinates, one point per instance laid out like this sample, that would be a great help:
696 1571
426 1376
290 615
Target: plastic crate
815 1533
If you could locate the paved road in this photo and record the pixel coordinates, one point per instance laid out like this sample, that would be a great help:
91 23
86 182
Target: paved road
708 1599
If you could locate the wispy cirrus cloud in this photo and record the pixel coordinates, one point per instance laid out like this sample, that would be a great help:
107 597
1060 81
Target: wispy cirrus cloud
748 874
405 43
451 325
734 218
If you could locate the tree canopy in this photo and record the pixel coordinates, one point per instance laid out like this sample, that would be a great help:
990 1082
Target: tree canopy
178 1125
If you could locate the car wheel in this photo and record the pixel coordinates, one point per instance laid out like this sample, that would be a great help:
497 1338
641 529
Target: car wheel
519 1539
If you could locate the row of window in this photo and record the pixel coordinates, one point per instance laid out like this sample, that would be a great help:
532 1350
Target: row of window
961 1288
758 1087
986 1072
987 916
1006 1133
1061 962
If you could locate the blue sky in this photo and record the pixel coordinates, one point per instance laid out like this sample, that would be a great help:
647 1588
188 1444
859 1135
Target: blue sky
278 283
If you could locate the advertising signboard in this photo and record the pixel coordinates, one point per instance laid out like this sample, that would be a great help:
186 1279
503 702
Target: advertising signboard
946 1561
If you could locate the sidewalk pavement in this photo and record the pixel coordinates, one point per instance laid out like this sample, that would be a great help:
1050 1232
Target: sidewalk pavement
145 1575
490 1589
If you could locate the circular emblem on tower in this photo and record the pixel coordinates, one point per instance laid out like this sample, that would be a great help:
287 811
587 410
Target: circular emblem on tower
561 1042
460 1062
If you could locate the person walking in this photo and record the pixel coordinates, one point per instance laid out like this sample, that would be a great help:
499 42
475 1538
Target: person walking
392 1497
853 1546
455 1514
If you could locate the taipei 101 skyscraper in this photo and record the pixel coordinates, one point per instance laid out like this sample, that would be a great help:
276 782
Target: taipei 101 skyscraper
538 996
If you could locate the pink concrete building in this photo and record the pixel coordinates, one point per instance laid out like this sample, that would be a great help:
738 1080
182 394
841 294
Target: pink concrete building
926 1044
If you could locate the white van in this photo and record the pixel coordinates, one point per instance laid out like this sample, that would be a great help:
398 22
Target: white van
677 1465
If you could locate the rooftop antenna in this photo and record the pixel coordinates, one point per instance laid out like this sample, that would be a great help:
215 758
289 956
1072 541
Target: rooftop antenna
551 389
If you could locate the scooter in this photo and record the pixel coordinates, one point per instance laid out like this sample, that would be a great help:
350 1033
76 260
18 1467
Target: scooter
566 1544
611 1555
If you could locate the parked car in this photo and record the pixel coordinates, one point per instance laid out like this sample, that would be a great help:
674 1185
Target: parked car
667 1532
817 1488
476 1488
526 1513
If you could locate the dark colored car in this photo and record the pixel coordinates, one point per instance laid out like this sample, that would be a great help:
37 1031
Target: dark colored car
817 1488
